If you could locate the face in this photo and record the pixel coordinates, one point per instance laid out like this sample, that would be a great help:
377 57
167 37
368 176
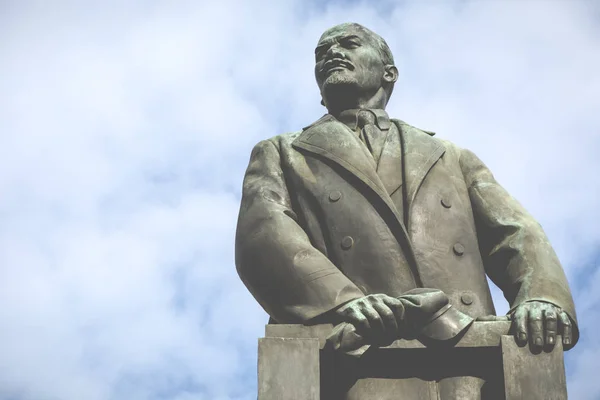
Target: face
348 64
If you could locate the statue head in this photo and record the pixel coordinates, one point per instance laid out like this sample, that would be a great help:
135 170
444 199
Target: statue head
353 65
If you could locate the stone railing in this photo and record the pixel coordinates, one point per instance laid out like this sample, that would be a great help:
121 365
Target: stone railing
292 364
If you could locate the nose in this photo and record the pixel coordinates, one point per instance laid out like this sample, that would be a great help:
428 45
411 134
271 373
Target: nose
335 51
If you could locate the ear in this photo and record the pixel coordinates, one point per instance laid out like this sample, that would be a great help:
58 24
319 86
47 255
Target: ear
391 74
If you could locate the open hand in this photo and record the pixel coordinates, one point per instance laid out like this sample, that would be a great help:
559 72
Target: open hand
540 322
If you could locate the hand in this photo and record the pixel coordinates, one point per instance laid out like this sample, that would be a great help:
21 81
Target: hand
375 317
540 322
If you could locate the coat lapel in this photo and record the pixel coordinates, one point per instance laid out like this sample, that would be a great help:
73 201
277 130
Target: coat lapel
333 140
420 152
389 169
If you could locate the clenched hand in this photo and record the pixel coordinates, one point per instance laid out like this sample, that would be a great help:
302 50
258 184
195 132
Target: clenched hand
381 319
374 316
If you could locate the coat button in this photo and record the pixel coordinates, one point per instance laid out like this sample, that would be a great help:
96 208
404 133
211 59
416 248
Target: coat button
335 196
459 249
446 203
347 242
466 299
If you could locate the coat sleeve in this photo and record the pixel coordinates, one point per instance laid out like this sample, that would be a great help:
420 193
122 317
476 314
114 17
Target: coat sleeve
516 252
292 280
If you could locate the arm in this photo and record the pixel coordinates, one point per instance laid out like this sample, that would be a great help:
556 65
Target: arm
516 253
293 281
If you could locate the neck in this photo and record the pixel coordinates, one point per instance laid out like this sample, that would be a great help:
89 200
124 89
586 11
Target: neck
375 101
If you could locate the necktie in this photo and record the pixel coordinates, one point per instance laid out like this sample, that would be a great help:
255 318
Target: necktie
370 134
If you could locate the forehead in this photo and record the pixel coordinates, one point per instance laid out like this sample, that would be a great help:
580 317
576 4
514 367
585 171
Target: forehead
338 32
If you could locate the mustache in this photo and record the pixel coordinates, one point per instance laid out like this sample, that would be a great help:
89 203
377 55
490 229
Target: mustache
336 62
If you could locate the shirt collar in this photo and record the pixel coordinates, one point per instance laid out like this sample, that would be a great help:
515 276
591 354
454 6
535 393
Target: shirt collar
350 118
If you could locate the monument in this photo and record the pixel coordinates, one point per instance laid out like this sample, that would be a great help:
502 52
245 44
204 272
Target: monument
368 235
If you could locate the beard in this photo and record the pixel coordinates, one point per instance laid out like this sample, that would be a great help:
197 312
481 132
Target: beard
340 90
340 78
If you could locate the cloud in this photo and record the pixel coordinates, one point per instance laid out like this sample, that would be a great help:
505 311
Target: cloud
125 131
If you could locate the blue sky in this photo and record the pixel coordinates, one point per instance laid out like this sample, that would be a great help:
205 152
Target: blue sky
125 131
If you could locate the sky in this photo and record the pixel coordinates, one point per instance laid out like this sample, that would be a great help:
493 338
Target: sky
125 131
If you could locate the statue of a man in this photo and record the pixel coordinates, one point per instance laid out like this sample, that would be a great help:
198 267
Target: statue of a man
341 219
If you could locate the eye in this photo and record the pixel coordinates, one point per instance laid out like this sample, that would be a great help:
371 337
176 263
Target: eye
350 43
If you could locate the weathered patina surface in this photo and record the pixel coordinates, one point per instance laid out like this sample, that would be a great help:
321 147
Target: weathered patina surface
341 219
409 369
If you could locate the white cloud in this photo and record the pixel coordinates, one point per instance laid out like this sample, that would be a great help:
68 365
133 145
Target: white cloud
125 132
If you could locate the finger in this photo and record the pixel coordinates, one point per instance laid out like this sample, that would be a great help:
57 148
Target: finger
550 318
536 327
567 329
346 309
356 318
375 322
390 326
520 325
397 308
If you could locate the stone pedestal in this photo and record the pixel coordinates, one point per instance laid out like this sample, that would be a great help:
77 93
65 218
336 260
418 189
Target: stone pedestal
485 363
280 359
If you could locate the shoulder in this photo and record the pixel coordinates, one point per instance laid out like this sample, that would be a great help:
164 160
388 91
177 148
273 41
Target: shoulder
408 127
286 139
417 135
278 141
283 140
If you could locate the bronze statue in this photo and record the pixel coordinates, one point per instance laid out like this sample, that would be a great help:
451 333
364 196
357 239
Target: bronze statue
341 221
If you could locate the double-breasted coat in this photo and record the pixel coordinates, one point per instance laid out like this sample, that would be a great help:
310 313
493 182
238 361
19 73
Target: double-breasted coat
320 226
